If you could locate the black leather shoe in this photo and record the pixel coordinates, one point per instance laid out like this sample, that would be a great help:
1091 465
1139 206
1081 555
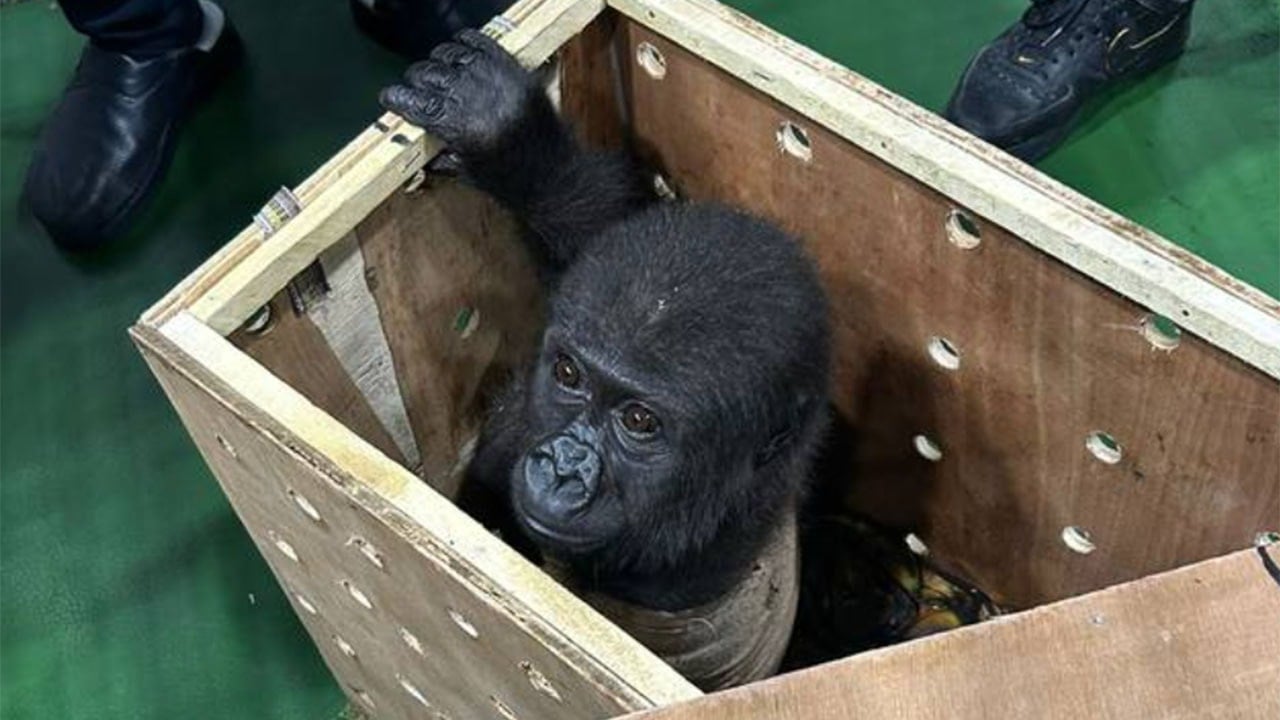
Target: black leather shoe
107 144
411 28
1024 91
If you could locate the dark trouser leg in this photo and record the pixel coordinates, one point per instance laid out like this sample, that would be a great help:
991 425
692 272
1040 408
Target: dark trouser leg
137 28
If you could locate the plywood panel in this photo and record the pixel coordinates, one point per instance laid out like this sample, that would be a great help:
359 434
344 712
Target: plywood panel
1046 357
1199 642
294 349
460 307
406 626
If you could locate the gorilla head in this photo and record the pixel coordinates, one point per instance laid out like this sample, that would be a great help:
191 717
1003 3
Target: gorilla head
679 385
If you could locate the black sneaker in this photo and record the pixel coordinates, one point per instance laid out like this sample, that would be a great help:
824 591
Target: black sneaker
1023 91
109 141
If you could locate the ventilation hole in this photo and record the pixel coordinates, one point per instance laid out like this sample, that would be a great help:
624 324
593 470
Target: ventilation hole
502 708
794 141
306 604
463 624
650 58
369 551
259 322
363 697
304 504
662 188
412 641
415 182
540 681
227 446
1161 332
344 646
1270 537
283 546
927 448
413 691
916 545
1104 447
944 353
466 322
357 594
962 231
1077 538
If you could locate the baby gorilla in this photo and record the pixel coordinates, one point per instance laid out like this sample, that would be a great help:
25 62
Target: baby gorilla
657 448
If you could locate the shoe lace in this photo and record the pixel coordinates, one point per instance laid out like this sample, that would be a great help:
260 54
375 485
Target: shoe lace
1056 31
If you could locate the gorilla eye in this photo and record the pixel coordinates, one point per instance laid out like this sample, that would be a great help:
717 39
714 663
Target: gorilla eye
567 373
639 419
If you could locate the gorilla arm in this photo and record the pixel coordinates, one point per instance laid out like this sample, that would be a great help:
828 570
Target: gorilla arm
491 113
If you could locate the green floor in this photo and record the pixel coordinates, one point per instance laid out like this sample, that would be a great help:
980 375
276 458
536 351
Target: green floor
129 589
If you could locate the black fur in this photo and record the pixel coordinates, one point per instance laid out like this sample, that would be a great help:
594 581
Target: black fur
709 319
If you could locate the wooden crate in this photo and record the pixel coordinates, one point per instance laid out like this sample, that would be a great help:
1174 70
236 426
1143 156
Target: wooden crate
330 361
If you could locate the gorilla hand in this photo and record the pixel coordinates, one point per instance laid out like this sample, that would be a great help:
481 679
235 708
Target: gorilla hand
470 94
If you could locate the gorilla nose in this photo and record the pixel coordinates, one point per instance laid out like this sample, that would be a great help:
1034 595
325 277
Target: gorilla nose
575 462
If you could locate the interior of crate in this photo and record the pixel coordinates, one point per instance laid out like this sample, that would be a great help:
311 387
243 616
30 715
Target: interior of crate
1042 435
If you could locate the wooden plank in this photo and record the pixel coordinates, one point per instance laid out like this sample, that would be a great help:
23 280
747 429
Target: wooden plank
348 318
1047 356
433 557
226 290
460 306
296 351
1059 221
1199 642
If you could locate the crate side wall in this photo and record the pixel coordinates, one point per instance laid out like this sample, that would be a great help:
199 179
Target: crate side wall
957 339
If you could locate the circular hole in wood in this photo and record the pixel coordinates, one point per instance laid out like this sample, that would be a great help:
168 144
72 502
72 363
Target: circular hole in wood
1104 447
305 604
794 141
363 697
506 712
412 641
260 321
650 58
540 681
357 594
463 624
344 646
226 446
413 690
366 549
962 231
1161 332
944 353
304 504
1269 537
283 546
466 322
927 448
1077 539
916 545
416 182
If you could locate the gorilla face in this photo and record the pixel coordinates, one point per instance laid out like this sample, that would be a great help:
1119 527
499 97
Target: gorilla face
601 453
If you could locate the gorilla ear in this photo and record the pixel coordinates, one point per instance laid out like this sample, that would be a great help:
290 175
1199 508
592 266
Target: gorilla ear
785 434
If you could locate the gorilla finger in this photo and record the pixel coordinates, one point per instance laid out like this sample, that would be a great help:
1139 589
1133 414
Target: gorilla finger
453 54
430 76
418 107
478 40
